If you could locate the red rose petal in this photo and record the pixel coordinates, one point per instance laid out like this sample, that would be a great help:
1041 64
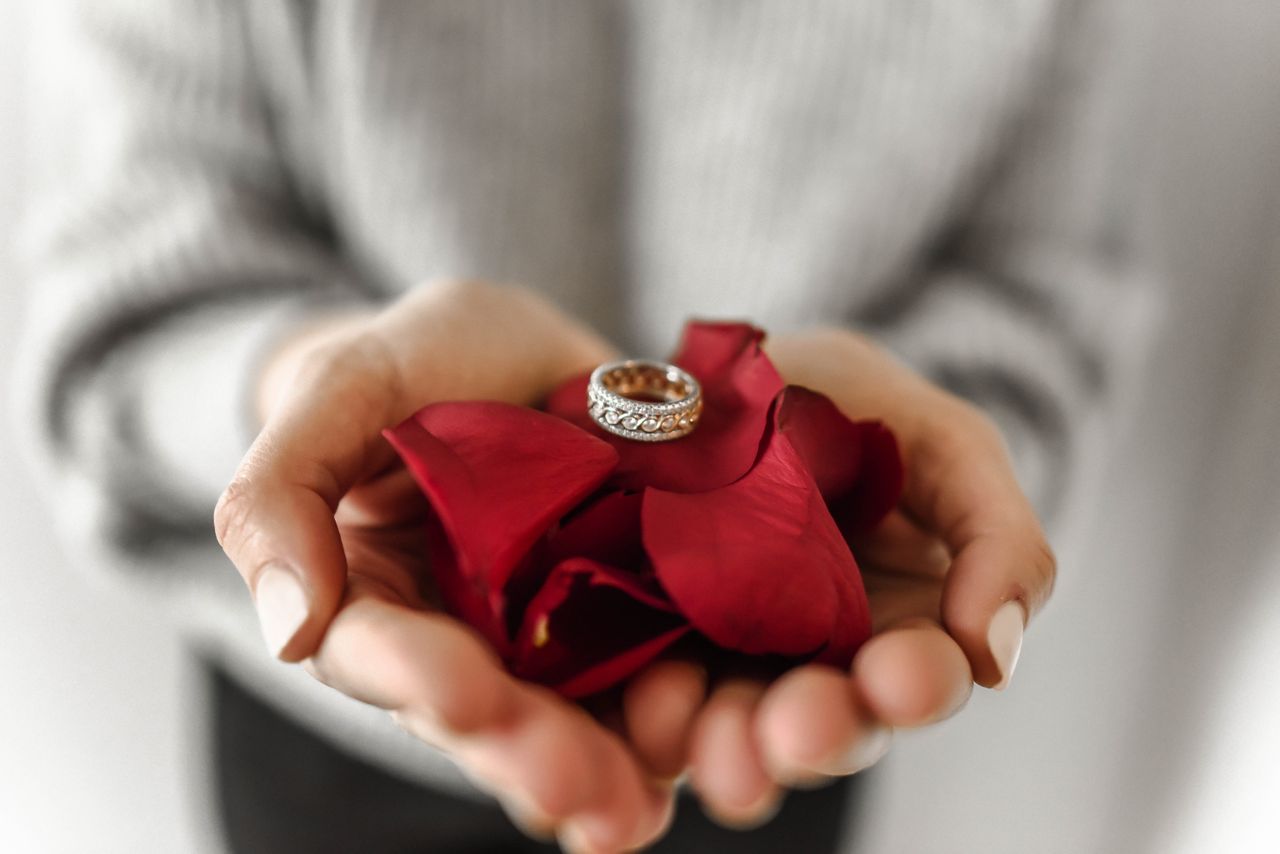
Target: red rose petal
879 487
759 566
606 530
738 385
498 477
853 620
711 350
569 401
856 464
592 626
460 595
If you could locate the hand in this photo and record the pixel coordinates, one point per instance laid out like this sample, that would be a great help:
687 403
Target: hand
952 577
325 526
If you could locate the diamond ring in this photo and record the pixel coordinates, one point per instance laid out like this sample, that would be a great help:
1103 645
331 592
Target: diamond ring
644 401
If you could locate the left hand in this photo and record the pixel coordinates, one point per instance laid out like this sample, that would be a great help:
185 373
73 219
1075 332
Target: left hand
326 527
952 577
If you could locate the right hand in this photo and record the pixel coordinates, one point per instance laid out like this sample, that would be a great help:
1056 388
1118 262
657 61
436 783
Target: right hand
324 524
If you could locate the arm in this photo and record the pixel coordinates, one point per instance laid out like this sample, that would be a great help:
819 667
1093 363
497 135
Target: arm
173 248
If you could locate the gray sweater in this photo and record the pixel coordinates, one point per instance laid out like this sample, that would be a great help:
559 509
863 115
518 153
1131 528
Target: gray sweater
943 175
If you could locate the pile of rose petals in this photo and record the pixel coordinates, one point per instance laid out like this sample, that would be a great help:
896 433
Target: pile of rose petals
582 556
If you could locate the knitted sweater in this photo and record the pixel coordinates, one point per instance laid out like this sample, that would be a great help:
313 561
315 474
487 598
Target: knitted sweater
941 175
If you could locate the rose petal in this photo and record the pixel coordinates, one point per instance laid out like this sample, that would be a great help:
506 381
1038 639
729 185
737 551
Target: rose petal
853 620
856 464
498 477
461 596
759 566
711 350
738 385
592 626
878 488
606 530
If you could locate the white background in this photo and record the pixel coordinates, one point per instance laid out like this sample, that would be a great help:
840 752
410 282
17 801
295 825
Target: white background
1141 718
93 728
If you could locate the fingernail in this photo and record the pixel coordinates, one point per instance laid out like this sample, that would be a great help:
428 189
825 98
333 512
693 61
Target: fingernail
758 814
868 750
574 840
282 607
1004 638
532 822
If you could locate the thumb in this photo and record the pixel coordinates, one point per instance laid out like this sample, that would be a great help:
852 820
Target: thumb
276 519
447 340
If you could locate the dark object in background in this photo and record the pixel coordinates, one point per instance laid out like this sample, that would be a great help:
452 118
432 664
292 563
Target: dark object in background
280 788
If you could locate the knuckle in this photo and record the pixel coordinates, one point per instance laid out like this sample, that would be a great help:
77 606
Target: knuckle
946 449
967 425
981 427
962 434
459 713
359 369
467 294
232 514
325 361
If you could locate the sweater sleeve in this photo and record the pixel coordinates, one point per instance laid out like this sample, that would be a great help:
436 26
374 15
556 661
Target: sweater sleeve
170 251
175 249
1033 307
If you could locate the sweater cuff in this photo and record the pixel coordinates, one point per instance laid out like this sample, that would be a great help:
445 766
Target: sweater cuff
196 410
1015 365
172 413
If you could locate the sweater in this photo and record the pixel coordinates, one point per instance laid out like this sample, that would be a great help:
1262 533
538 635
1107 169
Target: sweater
947 177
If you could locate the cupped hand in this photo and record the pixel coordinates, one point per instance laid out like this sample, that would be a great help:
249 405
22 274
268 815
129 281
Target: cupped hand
325 526
952 577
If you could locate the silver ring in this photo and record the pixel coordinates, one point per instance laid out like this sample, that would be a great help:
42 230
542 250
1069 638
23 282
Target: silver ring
644 401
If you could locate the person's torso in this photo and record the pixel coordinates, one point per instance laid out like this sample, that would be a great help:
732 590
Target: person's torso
642 162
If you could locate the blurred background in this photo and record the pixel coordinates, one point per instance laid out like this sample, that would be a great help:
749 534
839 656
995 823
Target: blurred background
1143 716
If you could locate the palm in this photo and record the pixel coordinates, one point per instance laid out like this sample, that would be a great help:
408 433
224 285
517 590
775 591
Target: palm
382 523
903 569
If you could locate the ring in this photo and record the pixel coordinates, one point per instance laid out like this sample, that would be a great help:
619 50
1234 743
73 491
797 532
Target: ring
644 401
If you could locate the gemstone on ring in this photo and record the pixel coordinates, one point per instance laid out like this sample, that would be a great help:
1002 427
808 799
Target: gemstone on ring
644 401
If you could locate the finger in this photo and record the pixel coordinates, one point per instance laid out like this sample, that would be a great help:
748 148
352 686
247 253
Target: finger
912 675
895 597
569 773
389 498
531 821
555 758
727 769
961 484
276 519
627 810
415 662
660 705
541 756
900 546
443 684
810 727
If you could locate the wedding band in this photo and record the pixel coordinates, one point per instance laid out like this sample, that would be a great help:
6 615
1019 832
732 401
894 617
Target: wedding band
644 401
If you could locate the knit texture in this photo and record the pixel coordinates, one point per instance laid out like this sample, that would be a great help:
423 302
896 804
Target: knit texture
944 176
